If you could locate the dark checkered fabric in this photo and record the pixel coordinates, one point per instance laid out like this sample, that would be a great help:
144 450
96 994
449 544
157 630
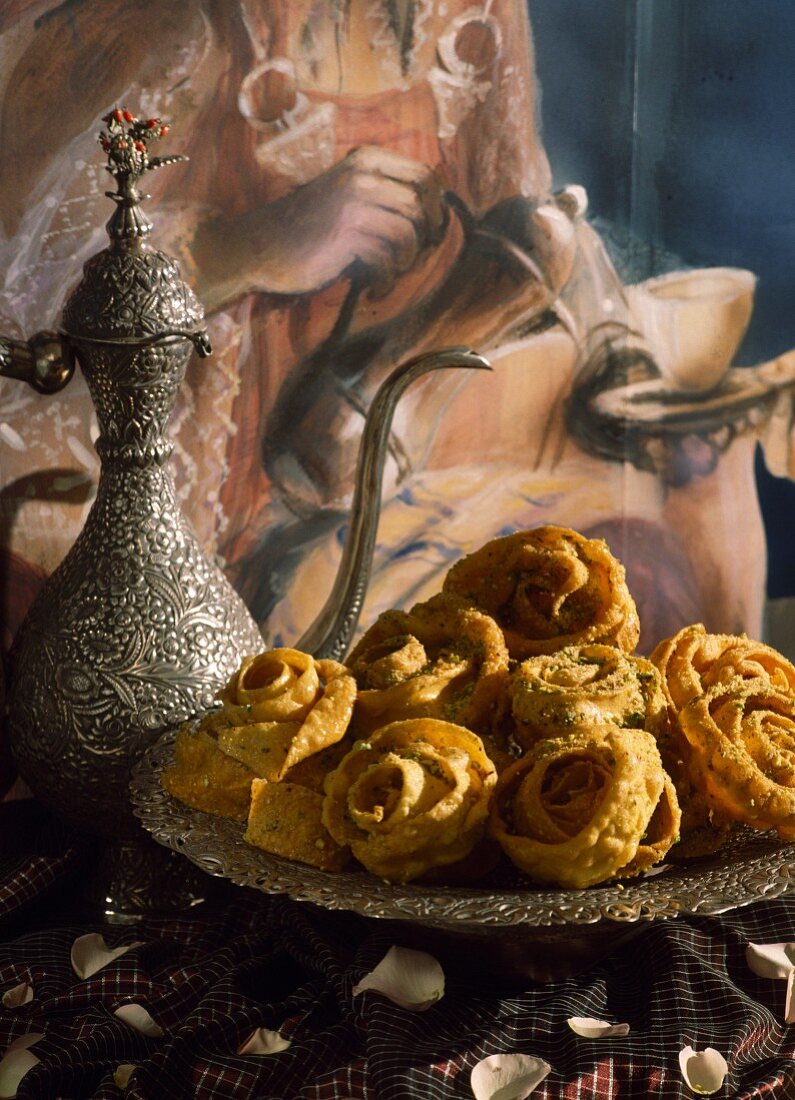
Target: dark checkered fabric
245 961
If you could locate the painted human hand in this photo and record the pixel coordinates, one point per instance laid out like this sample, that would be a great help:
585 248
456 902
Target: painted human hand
376 209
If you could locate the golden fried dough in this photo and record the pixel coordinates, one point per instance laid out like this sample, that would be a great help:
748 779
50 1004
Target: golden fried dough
693 660
443 659
549 587
582 686
285 819
282 707
204 777
741 736
690 663
413 796
574 810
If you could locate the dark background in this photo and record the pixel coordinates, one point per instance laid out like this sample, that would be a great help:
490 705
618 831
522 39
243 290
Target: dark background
678 116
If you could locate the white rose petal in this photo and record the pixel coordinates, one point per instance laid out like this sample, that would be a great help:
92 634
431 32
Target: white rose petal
770 960
409 978
121 1078
589 1028
775 960
21 994
704 1071
789 1002
507 1076
137 1017
90 953
263 1041
16 1062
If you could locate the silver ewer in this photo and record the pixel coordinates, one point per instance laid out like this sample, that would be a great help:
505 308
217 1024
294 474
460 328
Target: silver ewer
136 629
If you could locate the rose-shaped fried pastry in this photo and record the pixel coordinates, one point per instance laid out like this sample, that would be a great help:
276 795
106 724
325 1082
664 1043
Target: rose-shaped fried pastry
207 779
548 588
414 796
582 686
443 659
690 662
694 660
742 752
281 707
575 810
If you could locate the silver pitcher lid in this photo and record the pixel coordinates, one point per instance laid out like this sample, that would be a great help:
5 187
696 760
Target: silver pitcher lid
131 293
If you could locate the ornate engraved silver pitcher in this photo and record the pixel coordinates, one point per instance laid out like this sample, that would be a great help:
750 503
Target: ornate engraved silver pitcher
136 629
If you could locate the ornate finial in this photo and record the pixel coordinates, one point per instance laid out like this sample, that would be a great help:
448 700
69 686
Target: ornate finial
126 143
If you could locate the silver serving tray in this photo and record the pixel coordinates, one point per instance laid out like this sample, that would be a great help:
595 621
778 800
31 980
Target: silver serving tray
751 867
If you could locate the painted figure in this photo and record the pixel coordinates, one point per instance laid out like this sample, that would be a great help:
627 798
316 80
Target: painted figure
366 181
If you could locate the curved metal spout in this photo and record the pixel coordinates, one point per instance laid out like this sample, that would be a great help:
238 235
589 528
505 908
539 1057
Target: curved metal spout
331 632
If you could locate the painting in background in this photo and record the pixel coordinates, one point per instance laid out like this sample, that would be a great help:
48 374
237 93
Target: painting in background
690 165
369 179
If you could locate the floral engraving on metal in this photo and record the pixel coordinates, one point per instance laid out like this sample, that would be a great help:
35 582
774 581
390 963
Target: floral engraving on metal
130 294
136 629
751 867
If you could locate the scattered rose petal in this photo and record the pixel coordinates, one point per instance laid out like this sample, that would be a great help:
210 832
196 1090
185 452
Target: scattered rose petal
508 1076
16 1062
121 1078
411 979
137 1017
770 960
90 953
789 1000
589 1028
775 960
263 1041
21 994
703 1070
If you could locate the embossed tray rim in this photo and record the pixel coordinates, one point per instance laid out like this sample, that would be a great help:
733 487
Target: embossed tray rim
753 866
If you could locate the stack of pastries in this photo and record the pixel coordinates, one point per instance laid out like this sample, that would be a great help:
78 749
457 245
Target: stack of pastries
506 718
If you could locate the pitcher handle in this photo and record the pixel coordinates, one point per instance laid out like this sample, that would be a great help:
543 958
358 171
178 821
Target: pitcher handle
45 361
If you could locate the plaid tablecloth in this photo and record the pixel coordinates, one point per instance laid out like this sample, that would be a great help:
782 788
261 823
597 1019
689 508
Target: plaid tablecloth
244 960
